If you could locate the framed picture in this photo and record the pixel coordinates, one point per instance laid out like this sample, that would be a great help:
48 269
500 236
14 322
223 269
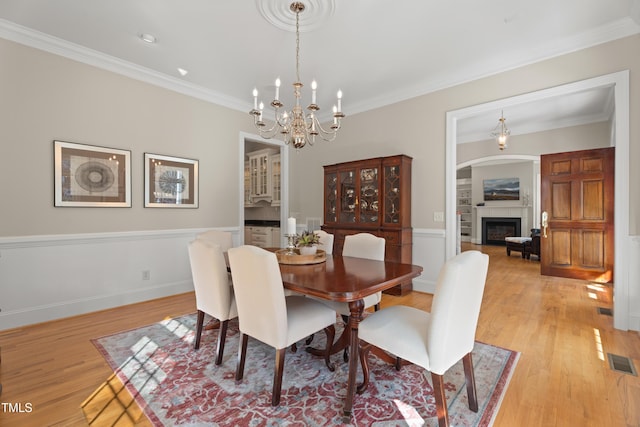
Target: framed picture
91 176
170 182
501 189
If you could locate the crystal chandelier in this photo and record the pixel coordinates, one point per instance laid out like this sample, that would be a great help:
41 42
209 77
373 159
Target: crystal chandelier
296 128
501 132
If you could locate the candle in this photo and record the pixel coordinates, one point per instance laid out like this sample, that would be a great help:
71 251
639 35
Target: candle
255 98
314 86
277 88
339 101
291 226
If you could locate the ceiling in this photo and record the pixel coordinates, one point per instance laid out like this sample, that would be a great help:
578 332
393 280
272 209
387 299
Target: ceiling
377 52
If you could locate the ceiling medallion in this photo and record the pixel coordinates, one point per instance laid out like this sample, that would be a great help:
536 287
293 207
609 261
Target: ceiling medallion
278 13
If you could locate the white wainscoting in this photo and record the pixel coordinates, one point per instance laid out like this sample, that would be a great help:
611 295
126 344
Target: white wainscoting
634 283
428 252
50 277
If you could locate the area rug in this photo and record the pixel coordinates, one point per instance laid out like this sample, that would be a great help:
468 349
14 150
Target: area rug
177 385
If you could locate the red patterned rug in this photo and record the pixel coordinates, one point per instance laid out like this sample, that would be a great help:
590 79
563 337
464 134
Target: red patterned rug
177 385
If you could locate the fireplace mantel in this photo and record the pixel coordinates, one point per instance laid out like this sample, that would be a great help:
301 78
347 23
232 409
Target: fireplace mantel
503 211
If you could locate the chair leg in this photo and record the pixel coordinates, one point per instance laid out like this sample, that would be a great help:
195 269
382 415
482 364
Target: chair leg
222 336
277 376
467 362
364 361
242 352
376 307
199 324
441 400
331 333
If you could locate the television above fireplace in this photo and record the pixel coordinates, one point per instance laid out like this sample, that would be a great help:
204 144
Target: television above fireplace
501 189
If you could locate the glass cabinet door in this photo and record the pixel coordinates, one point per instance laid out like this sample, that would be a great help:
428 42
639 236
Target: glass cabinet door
392 194
348 196
369 199
331 197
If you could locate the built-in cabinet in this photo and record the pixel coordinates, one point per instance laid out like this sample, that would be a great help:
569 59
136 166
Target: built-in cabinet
264 237
262 178
465 209
276 184
371 196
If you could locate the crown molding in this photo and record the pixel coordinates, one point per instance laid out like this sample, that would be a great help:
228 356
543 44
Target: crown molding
616 30
57 46
26 36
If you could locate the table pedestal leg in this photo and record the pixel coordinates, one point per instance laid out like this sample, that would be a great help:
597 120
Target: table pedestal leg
356 308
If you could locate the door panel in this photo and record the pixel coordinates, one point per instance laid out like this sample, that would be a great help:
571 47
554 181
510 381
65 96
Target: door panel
577 195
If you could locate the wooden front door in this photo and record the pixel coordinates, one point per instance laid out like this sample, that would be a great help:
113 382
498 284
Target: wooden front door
577 214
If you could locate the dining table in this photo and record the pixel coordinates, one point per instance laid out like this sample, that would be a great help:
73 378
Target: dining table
349 280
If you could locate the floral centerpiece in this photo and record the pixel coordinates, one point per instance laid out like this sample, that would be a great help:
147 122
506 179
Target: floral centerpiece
307 242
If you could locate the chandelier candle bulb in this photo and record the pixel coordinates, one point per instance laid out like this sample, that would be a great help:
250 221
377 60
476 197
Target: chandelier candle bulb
339 101
314 86
255 99
277 89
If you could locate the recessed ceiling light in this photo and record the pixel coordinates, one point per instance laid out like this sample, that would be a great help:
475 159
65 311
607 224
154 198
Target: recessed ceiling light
147 38
182 71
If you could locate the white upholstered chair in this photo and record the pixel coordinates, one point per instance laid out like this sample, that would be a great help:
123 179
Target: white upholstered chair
268 316
362 245
224 239
436 340
326 241
214 293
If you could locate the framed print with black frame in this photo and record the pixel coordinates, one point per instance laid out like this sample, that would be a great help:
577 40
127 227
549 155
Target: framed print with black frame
170 182
91 176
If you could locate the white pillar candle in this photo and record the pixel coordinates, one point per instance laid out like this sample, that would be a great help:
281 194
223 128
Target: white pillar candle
291 226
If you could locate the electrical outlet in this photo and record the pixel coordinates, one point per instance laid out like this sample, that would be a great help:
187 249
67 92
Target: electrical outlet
146 275
438 217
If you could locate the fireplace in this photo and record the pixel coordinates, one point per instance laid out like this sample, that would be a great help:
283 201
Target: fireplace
495 229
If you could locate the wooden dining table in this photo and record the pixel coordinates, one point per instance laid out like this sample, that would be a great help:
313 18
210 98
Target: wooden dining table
349 280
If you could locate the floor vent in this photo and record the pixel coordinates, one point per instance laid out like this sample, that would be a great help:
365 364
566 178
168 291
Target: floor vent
605 311
621 364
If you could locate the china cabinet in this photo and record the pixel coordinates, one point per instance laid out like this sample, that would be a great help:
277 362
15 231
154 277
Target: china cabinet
371 196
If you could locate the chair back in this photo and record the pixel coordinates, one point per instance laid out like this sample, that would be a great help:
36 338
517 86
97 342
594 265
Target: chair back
257 283
224 239
455 309
326 241
364 245
214 293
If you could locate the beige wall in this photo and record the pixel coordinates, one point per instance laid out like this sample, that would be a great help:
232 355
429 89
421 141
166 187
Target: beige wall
417 127
46 97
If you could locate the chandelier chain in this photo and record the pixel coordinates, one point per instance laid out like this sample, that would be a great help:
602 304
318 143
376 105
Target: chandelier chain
297 46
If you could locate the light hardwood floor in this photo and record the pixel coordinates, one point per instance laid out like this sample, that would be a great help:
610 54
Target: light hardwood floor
562 378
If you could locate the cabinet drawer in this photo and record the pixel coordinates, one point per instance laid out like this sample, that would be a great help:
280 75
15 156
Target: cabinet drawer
390 237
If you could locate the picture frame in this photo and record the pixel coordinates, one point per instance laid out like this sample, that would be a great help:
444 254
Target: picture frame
91 176
501 189
170 182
